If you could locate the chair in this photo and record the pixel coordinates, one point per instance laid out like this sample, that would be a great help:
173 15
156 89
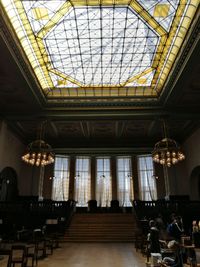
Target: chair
193 258
49 246
17 256
40 246
31 254
40 243
51 234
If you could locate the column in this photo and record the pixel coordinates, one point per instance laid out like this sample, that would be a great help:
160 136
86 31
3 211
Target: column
93 178
114 178
166 179
48 181
72 178
40 184
135 177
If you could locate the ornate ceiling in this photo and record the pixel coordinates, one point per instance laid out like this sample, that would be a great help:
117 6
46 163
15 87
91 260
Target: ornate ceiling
107 48
101 75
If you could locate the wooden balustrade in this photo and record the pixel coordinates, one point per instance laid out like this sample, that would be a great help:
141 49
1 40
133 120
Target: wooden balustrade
32 214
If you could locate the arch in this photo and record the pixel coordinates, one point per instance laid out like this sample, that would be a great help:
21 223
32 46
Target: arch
8 184
195 183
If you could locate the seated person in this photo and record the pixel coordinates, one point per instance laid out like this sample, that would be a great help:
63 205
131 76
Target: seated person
175 229
153 238
177 260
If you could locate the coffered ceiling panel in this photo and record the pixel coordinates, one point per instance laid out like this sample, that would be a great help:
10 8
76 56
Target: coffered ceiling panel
103 129
103 133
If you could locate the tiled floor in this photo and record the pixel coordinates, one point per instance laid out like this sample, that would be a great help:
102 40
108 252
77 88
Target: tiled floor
92 255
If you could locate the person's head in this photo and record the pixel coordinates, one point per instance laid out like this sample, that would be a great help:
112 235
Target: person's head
194 223
173 244
151 223
172 217
178 219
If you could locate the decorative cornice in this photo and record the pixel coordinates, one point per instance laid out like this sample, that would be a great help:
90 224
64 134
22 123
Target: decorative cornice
104 151
10 39
128 114
184 55
103 102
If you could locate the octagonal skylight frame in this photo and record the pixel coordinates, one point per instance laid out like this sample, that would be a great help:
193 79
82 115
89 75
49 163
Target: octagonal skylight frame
165 22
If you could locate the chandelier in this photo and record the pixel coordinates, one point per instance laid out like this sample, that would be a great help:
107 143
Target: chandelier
167 152
39 153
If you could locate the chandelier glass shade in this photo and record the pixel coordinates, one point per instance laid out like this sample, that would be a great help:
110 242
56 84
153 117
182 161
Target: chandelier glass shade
38 153
167 152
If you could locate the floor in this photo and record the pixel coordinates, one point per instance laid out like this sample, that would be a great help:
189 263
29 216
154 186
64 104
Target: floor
92 255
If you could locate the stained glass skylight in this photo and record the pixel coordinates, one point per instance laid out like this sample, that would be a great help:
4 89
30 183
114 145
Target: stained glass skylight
101 48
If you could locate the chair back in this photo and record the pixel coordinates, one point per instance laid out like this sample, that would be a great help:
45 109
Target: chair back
18 255
38 235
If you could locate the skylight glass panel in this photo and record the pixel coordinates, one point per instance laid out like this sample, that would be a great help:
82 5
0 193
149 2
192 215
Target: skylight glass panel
39 12
162 10
144 80
90 39
104 45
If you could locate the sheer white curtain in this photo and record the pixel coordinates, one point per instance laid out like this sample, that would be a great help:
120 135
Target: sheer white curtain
124 181
147 183
82 181
103 182
60 188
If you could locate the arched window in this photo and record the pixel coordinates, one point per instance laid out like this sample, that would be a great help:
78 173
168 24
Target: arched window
124 181
147 183
103 182
60 190
82 181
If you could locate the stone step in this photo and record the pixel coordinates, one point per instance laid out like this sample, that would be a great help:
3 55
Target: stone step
78 231
102 228
98 241
113 226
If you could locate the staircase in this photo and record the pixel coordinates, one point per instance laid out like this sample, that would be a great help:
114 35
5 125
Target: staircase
102 227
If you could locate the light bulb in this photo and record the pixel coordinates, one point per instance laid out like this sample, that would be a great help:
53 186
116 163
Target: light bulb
168 160
168 164
173 154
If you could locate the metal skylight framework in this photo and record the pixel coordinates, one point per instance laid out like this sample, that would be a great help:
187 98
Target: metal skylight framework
101 48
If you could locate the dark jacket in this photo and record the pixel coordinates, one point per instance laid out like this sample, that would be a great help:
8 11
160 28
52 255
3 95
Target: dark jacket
153 240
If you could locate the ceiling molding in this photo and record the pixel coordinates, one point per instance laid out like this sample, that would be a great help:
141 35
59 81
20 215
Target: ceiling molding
191 42
54 128
119 128
103 151
10 39
152 114
92 102
85 129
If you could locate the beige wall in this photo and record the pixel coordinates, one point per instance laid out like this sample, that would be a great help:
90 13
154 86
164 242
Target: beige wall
11 149
178 179
192 151
180 174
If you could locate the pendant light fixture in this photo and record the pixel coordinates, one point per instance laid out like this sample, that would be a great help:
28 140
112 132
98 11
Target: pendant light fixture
39 153
167 151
